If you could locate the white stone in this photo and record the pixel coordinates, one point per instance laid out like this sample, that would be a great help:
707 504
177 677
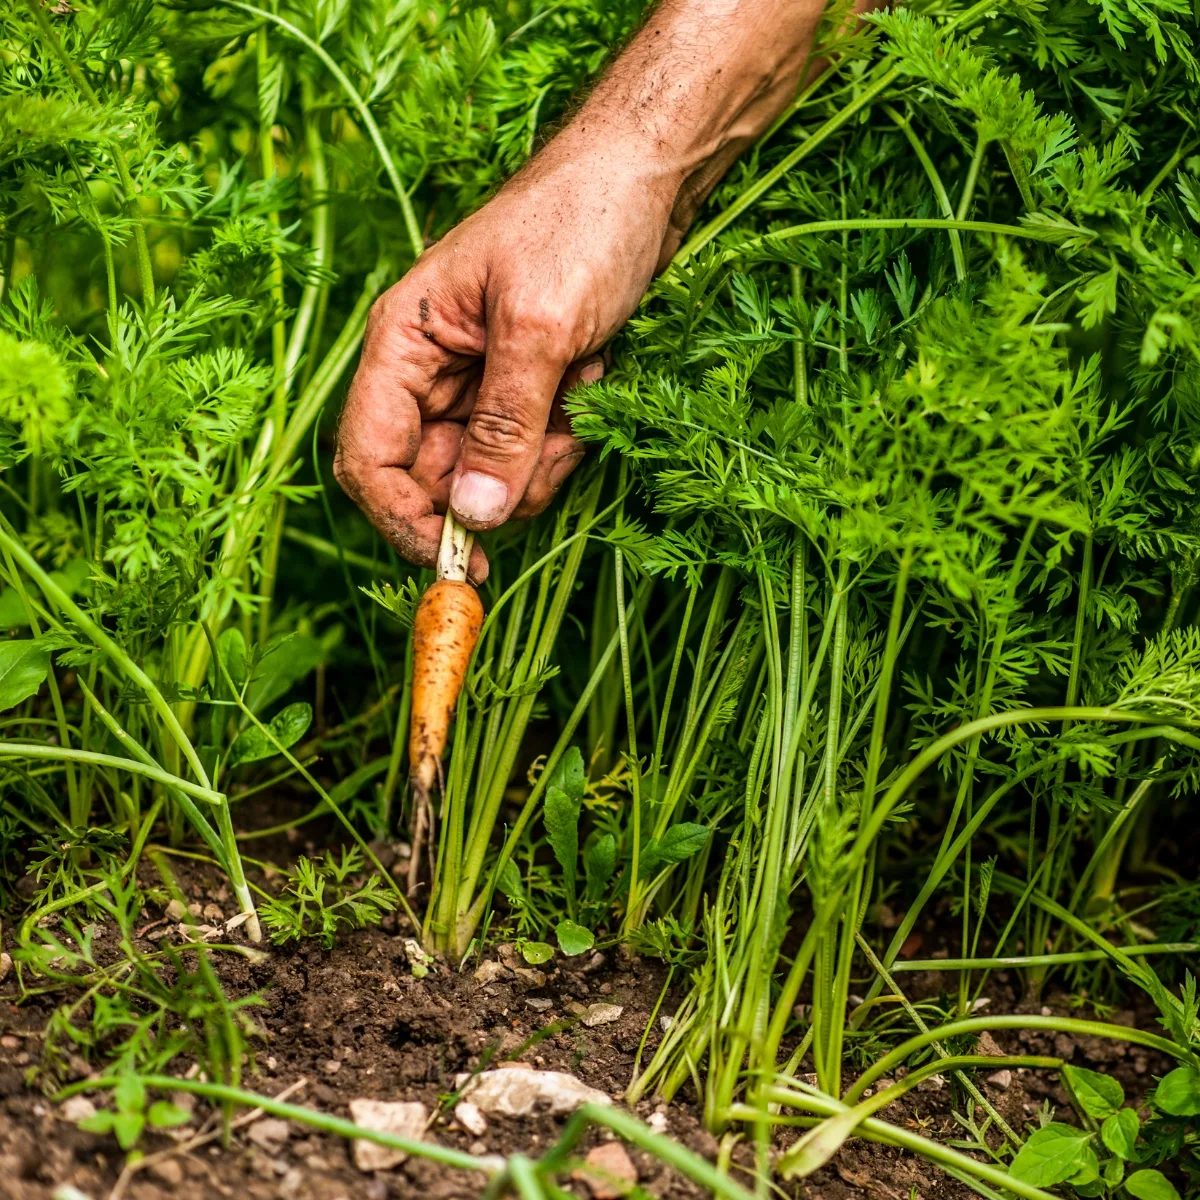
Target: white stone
601 1014
657 1121
519 1091
933 1083
269 1134
470 1117
403 1118
78 1108
1001 1079
490 971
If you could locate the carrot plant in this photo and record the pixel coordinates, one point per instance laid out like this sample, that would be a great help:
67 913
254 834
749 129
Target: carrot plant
925 382
878 604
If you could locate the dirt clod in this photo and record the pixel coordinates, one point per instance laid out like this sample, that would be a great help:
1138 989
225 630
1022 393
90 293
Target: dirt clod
602 1014
609 1171
76 1109
403 1118
269 1134
521 1091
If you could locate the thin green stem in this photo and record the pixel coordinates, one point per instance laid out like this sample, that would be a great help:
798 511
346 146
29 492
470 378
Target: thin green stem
953 1029
411 225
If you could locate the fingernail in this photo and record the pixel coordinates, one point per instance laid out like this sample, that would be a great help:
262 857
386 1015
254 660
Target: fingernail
592 373
562 467
478 499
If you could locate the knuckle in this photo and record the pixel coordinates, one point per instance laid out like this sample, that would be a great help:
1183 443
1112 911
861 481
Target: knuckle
543 325
346 472
501 430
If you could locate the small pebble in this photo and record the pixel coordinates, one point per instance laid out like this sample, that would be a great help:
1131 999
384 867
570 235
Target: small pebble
602 1014
167 1171
613 1172
331 1066
78 1108
1001 1079
471 1118
489 972
269 1134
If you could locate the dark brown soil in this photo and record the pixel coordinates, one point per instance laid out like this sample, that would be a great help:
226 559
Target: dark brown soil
354 1022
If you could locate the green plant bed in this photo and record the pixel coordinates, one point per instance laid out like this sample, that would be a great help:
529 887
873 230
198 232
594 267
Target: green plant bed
868 635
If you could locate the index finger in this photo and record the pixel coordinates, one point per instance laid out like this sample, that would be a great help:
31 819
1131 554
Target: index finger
379 436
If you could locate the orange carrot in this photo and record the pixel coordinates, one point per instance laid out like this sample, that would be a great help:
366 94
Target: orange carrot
445 629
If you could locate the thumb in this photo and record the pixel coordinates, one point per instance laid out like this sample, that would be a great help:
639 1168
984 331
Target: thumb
505 433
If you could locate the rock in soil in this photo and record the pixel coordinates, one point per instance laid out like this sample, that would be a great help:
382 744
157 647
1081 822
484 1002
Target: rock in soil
77 1108
403 1118
601 1014
269 1134
470 1117
167 1171
609 1173
520 1091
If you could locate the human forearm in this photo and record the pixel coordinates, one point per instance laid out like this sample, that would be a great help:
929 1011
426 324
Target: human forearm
699 83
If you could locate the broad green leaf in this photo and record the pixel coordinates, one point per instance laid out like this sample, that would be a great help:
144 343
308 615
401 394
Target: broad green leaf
1099 1095
816 1147
130 1093
162 1114
573 939
71 579
23 667
127 1126
599 863
286 728
281 668
1088 1174
680 842
231 650
569 774
1051 1155
1119 1133
561 818
509 881
1114 1171
1179 1092
536 953
1151 1185
12 613
99 1122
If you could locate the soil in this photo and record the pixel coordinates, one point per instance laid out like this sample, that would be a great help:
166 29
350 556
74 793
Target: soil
353 1021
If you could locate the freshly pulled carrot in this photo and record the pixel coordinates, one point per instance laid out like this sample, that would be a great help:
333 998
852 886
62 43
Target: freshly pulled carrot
445 630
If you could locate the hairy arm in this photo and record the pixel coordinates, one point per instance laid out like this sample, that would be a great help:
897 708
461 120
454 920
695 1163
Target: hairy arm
457 402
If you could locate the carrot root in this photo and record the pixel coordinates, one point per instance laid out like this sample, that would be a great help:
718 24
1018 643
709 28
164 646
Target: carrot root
445 630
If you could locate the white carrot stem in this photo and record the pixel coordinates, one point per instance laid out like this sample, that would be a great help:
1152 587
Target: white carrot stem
455 550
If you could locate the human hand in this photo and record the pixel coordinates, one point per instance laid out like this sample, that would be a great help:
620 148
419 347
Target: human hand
457 401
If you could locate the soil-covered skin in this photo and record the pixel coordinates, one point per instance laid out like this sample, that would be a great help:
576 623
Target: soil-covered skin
353 1021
